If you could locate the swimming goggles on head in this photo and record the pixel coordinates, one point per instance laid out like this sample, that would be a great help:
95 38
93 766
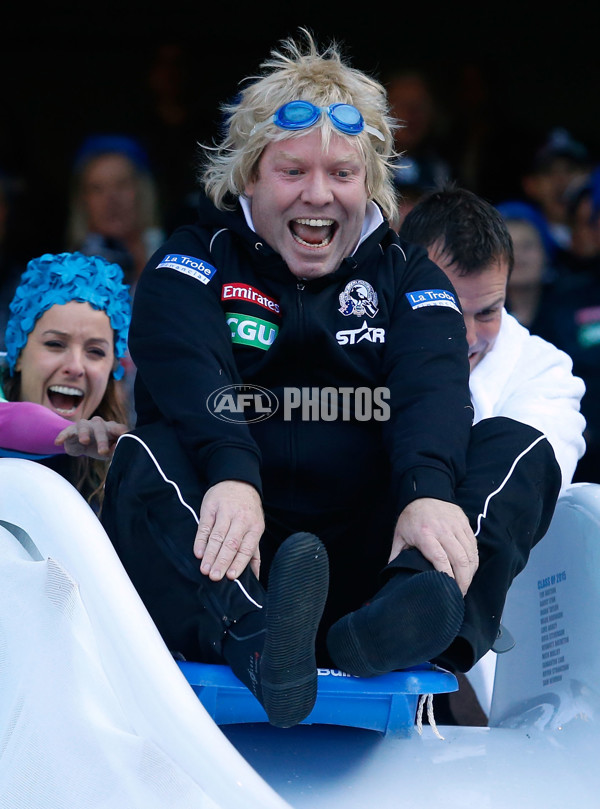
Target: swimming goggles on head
302 114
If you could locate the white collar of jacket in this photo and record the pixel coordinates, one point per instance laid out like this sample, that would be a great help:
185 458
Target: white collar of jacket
373 218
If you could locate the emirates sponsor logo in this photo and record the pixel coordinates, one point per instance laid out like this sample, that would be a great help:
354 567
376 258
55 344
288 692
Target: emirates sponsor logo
245 292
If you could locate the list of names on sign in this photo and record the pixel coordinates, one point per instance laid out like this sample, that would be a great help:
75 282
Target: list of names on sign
553 633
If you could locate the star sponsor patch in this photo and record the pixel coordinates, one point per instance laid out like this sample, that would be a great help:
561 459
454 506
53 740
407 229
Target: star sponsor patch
366 332
188 265
432 297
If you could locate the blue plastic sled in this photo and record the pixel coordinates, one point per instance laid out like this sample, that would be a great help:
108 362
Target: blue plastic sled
387 703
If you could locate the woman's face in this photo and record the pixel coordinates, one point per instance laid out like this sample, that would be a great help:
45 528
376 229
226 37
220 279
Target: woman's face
110 194
530 255
67 360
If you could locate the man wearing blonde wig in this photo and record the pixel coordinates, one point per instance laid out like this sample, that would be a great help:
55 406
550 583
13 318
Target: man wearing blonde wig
303 408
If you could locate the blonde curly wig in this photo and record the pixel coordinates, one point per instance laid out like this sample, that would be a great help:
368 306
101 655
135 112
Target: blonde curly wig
301 73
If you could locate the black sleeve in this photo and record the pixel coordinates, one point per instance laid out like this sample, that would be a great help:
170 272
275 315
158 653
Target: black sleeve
181 347
427 369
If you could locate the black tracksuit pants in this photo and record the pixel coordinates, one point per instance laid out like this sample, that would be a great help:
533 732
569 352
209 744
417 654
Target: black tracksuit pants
151 508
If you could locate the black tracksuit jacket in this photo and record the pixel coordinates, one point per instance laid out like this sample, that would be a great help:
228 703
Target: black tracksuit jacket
216 306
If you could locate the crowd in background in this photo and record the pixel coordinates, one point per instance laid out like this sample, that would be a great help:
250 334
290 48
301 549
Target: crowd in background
125 189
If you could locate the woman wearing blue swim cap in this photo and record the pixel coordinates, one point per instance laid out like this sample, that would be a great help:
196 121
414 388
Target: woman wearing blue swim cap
65 337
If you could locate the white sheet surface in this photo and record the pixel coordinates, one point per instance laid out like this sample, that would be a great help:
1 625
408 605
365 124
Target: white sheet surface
94 712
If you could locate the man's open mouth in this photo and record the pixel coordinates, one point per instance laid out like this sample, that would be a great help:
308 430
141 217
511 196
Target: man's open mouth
64 400
313 232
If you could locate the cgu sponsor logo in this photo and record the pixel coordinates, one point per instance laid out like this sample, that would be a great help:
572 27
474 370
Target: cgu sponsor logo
251 330
246 292
242 403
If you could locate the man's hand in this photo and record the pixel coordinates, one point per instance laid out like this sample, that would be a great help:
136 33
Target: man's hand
95 438
442 533
230 527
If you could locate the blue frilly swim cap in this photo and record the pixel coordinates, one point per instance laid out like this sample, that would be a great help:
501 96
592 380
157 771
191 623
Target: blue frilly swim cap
62 278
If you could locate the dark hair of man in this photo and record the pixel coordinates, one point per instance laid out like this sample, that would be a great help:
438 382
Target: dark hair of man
471 232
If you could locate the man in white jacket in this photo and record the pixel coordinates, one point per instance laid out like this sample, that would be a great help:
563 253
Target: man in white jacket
530 380
514 374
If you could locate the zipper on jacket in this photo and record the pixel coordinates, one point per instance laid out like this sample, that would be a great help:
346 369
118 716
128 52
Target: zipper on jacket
300 287
300 358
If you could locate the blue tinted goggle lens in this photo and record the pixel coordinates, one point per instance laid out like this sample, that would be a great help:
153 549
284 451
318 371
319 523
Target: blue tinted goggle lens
346 118
297 115
302 115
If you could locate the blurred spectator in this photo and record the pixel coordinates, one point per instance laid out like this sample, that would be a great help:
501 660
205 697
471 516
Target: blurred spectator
575 318
12 261
583 200
530 290
560 162
113 204
421 166
170 123
472 124
480 129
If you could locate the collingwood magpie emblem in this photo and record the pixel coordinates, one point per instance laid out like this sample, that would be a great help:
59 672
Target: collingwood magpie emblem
359 298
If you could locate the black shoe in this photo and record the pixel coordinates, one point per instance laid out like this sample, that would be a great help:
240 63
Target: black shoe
408 622
296 594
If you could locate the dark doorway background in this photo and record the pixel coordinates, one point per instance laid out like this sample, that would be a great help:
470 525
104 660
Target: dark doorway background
505 74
